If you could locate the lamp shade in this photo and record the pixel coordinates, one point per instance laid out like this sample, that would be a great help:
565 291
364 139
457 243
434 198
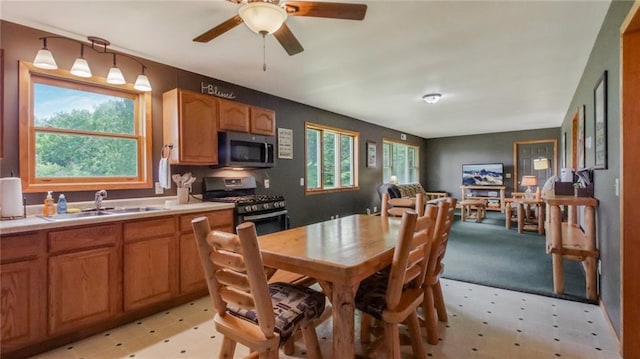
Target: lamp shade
529 181
262 16
142 83
81 68
115 77
540 163
44 60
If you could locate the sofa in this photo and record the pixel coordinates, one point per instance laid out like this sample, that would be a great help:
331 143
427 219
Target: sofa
409 190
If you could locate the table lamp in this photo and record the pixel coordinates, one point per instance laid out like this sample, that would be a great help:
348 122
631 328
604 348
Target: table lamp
529 181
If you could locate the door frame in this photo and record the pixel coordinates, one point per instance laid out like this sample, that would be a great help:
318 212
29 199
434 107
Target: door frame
515 157
630 179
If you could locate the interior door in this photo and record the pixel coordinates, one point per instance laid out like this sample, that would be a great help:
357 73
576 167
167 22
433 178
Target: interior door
525 152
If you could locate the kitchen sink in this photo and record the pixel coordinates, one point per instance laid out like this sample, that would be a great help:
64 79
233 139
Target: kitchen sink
134 210
104 212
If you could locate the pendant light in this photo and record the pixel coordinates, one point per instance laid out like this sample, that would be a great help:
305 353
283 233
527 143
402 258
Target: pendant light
44 60
115 76
80 67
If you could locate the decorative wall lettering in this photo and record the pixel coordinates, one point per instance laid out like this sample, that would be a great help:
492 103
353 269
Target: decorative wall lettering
216 90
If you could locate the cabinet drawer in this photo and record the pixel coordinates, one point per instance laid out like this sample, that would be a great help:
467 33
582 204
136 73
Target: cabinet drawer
74 239
150 228
23 246
217 219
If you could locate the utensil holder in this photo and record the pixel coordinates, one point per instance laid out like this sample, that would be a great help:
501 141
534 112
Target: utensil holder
183 195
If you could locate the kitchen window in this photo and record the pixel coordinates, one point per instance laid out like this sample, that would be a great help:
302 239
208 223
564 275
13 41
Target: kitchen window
82 134
400 160
331 159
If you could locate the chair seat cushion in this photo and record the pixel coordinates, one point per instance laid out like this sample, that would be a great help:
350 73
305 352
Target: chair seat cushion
371 295
291 305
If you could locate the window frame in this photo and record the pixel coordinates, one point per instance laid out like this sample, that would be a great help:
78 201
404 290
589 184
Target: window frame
28 76
355 167
390 161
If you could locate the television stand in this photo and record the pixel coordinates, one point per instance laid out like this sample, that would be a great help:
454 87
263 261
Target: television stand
494 195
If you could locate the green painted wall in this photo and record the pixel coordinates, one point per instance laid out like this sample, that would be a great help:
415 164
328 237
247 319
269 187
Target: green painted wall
605 56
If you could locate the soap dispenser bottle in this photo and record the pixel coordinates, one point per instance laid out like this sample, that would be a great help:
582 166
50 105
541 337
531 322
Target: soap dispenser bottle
49 208
62 204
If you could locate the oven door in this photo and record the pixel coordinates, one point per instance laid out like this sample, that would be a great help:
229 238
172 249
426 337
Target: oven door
267 222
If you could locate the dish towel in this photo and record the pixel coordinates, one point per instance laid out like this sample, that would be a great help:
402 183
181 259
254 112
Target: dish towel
164 170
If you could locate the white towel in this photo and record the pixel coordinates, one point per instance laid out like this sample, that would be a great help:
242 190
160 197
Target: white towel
164 173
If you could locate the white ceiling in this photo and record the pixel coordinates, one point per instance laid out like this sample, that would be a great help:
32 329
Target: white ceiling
500 65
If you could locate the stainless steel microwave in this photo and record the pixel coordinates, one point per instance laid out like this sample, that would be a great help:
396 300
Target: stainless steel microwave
245 150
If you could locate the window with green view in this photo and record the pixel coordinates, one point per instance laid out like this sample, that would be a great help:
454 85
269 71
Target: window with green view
400 160
331 156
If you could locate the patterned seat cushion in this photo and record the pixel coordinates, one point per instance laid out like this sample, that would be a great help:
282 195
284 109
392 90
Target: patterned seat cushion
371 295
291 304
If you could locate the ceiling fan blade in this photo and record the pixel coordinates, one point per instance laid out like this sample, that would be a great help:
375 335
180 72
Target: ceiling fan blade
288 40
219 30
332 10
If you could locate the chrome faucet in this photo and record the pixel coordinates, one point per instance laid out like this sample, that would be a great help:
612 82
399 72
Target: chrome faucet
100 195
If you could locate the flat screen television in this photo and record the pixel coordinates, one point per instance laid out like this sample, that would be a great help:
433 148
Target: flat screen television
483 174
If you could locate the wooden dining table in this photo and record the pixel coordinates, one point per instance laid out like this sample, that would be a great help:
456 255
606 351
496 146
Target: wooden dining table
339 253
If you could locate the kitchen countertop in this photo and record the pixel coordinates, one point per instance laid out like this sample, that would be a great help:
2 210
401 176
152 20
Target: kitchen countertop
34 221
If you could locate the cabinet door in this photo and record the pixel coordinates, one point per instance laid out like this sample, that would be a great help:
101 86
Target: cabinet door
263 121
83 288
23 303
149 272
191 272
233 116
198 129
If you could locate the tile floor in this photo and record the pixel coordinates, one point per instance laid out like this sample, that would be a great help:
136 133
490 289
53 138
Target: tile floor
484 322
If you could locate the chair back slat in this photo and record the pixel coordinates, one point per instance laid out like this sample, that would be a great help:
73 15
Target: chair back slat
440 238
230 260
233 279
237 298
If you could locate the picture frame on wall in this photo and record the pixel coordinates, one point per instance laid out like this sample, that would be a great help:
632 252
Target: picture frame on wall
581 135
600 122
371 154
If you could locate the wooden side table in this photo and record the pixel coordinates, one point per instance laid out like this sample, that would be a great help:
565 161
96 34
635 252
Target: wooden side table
523 209
467 206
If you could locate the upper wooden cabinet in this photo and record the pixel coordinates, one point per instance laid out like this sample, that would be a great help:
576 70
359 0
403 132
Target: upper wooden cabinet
190 124
233 116
236 116
263 121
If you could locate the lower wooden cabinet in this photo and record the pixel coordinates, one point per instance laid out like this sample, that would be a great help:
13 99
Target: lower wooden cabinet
192 277
23 290
84 283
150 262
61 283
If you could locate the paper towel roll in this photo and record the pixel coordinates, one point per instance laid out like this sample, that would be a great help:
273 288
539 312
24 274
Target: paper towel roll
11 197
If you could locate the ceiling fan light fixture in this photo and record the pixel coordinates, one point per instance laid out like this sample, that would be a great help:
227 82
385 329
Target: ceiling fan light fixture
262 16
431 98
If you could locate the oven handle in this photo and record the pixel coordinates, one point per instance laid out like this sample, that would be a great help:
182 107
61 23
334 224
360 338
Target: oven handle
264 215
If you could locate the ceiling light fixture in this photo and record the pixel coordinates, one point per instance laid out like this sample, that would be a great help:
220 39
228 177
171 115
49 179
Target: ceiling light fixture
262 17
44 60
431 98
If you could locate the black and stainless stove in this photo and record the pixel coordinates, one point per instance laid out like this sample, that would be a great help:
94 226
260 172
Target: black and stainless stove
268 212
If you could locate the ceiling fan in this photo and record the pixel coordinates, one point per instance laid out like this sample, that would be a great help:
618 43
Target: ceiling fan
268 17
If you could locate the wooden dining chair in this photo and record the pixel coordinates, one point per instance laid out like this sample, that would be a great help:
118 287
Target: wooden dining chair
433 304
248 310
392 296
395 207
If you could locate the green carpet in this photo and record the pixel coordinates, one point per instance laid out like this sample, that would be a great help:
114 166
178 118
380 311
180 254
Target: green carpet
489 254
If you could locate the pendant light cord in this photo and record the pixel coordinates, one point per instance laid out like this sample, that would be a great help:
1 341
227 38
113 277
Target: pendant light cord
264 51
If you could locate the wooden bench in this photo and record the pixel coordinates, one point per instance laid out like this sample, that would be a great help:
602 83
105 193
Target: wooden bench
567 240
